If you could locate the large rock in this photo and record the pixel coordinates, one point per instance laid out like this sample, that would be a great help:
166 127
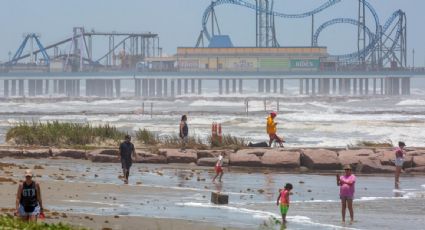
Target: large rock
364 161
211 153
210 161
10 152
256 151
36 153
177 156
110 152
71 153
244 159
150 158
98 156
418 157
420 169
320 159
281 159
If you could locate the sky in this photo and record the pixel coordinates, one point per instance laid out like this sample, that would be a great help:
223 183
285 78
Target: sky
178 22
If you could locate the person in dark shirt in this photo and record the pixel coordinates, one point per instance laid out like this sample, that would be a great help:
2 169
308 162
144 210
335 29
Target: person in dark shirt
28 199
184 133
126 154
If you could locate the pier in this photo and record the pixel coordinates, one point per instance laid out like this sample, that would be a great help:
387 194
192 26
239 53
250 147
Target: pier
174 86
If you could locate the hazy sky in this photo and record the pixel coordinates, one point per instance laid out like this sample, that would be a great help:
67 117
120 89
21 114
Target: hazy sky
178 22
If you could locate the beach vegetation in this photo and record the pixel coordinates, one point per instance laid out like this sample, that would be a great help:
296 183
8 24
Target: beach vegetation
227 141
10 222
375 144
62 134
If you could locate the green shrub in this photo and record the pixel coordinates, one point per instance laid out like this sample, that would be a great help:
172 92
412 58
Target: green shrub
147 137
9 222
375 144
61 134
227 141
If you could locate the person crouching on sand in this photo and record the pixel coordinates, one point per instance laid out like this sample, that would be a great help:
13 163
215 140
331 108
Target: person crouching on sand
399 161
28 199
126 155
283 201
346 192
219 168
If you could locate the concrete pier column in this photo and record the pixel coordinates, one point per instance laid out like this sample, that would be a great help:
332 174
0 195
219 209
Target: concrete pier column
172 91
6 88
227 82
137 87
31 88
38 87
307 86
313 86
408 85
144 87
55 86
275 85
354 86
46 86
61 86
88 85
334 86
281 88
110 88
374 86
199 86
361 86
192 86
165 87
301 89
234 85
366 86
220 86
186 86
327 82
240 86
21 88
396 85
77 88
340 92
382 86
117 85
349 86
268 83
261 85
13 89
159 87
320 86
151 87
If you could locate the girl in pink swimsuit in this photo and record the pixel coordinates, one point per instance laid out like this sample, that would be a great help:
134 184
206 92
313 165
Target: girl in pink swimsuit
346 192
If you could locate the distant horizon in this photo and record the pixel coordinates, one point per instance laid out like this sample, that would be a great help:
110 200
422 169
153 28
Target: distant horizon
178 23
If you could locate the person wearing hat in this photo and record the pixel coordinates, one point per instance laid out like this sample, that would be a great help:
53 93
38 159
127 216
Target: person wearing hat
272 129
126 155
28 199
346 192
219 168
399 161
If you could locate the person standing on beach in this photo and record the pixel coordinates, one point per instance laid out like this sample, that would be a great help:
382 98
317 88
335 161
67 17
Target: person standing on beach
28 199
399 161
272 129
346 192
283 201
184 133
126 155
219 168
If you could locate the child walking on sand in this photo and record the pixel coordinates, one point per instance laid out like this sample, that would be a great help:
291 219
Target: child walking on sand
346 192
283 201
219 168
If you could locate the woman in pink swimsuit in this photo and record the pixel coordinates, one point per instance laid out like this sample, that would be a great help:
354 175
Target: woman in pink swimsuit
346 192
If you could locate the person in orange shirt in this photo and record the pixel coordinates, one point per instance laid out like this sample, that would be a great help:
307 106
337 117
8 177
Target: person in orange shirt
272 129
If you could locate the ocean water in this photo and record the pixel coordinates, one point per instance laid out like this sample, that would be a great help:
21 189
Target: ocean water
177 193
303 121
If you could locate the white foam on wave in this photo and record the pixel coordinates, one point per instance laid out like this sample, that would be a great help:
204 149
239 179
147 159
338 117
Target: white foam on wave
216 103
304 220
411 102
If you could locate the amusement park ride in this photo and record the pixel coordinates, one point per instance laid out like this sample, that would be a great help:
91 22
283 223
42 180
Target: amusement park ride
380 45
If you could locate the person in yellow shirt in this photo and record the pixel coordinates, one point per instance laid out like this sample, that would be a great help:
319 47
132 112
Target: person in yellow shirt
272 129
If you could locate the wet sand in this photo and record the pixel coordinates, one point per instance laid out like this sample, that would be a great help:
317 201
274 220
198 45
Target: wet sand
177 197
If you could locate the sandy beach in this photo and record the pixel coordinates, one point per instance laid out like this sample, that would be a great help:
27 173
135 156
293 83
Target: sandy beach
176 196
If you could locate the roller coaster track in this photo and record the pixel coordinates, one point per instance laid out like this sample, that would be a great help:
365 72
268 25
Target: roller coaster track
374 38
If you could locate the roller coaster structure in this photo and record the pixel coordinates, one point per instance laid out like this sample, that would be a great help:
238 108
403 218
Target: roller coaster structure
386 44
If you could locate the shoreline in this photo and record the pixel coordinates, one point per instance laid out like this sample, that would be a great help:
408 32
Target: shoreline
364 160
